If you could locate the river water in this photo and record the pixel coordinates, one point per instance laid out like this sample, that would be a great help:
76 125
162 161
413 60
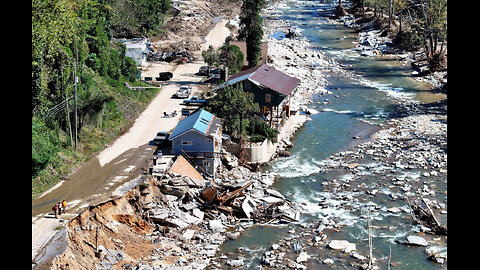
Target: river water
366 95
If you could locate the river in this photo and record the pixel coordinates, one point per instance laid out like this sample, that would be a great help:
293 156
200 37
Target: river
364 96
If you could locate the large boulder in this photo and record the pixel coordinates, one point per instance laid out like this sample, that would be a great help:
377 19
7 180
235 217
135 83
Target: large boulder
416 241
344 245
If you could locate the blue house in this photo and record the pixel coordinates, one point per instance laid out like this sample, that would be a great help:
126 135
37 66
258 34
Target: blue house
200 137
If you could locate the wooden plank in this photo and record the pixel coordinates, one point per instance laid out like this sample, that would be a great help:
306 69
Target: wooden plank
235 193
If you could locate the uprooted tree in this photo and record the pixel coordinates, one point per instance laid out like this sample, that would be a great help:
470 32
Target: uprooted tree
423 214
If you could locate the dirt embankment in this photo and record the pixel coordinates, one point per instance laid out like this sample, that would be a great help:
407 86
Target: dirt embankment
187 30
114 230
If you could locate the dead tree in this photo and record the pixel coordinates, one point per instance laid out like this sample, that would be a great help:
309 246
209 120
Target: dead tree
423 214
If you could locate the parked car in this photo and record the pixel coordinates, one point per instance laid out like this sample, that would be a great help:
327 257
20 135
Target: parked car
204 70
161 138
184 91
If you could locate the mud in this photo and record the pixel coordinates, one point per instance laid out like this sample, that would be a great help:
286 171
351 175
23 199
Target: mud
93 179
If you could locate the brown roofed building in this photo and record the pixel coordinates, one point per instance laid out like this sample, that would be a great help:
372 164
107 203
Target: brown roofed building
269 86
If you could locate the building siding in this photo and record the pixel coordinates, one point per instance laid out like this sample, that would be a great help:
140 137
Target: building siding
260 94
199 144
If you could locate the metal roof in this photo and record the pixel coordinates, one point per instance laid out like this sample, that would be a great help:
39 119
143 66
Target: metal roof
266 76
199 121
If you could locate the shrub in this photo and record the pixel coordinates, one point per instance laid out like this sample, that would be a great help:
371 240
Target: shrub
45 144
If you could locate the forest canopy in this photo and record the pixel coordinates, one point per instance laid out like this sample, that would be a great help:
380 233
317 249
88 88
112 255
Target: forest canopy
78 37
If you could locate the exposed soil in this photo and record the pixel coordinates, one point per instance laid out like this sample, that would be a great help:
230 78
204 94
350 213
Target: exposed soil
187 30
113 225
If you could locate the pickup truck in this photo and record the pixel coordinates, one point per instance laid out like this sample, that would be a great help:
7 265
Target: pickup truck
161 138
195 100
204 70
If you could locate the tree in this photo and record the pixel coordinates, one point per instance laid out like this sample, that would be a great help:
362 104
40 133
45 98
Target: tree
251 29
210 56
434 25
44 145
134 17
231 57
234 107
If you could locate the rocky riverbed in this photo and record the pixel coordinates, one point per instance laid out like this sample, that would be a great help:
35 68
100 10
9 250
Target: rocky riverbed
406 160
372 42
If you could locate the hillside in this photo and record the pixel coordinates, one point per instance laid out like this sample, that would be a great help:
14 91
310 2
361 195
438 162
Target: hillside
71 33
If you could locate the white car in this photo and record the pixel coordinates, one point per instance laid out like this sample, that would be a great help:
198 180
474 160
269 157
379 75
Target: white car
184 91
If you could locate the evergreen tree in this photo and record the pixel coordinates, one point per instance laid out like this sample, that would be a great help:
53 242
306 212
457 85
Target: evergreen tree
251 29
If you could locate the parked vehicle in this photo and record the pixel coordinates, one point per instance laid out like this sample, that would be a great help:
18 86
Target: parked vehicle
164 76
195 100
204 70
161 138
184 91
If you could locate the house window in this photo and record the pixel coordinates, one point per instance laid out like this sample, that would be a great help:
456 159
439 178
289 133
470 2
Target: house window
206 163
208 140
186 142
268 98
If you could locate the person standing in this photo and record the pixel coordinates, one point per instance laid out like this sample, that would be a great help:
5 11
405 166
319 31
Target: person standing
55 209
64 206
59 207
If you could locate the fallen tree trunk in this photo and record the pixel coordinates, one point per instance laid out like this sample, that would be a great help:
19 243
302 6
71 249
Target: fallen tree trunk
423 214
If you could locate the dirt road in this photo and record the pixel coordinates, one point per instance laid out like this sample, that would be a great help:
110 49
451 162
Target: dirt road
126 157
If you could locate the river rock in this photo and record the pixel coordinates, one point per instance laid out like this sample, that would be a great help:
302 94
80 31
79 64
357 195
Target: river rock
416 240
235 263
344 245
328 261
302 257
394 210
275 246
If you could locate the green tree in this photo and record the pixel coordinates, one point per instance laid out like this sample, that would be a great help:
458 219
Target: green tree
251 29
210 56
234 107
433 25
133 17
260 130
231 57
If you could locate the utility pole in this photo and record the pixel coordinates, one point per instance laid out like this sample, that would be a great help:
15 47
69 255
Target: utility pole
75 80
75 100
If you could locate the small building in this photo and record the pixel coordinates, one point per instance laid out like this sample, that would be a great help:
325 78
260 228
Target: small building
137 49
269 86
199 138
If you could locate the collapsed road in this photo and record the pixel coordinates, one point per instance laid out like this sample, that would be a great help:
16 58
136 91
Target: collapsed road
170 220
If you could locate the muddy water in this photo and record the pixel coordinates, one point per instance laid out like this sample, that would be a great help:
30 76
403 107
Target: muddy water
92 183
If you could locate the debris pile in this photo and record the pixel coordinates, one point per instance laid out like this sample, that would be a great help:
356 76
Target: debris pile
186 202
174 221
